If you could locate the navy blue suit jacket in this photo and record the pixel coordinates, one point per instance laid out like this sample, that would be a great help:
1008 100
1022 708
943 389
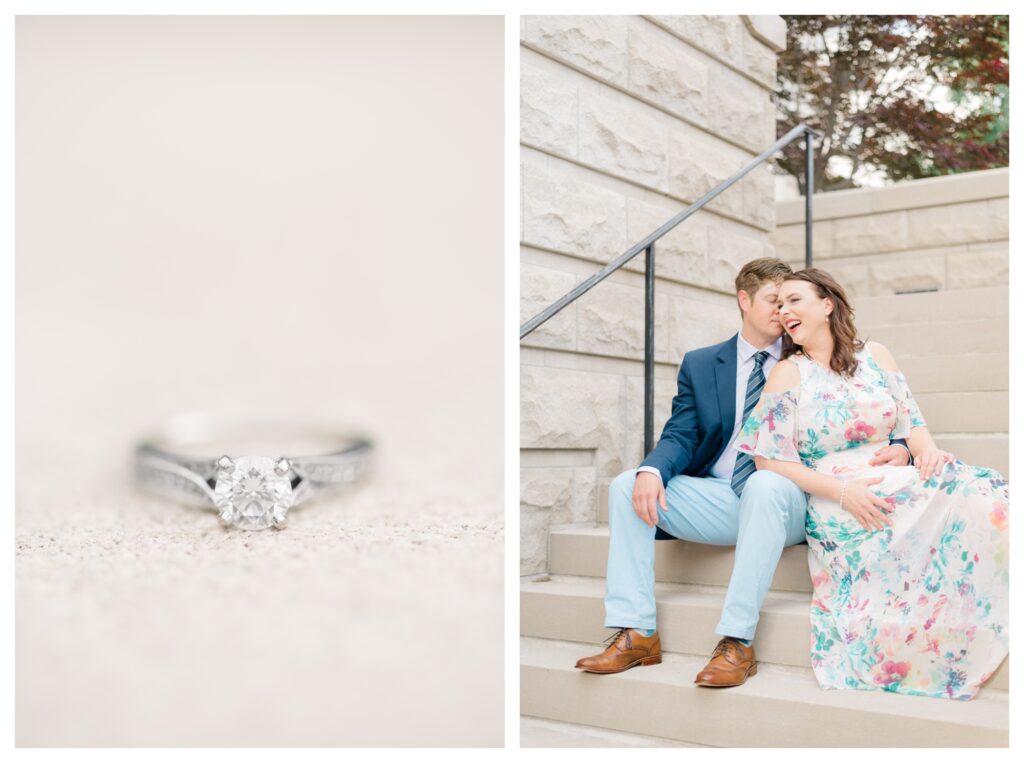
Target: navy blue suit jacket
703 413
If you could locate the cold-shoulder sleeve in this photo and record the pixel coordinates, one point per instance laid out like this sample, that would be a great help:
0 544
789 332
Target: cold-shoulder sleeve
771 429
908 415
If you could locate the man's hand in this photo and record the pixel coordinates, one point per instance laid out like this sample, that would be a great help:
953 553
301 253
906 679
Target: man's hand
890 455
648 494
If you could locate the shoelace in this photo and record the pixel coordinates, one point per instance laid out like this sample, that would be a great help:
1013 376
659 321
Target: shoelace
614 638
725 645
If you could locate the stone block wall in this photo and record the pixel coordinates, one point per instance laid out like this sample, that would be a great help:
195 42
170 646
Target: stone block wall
625 120
918 235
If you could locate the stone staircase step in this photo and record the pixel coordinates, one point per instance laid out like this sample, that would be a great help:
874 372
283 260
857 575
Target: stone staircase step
950 306
582 550
941 338
975 412
975 372
540 732
779 707
572 609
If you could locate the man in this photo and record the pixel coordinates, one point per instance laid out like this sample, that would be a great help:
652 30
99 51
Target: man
696 487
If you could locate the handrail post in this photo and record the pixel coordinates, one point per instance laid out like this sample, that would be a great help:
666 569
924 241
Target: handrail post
649 350
808 198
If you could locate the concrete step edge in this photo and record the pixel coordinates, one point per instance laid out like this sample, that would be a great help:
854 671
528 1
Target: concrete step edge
702 564
687 615
778 705
546 733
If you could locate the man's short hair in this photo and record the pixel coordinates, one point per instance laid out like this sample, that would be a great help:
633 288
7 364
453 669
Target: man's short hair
756 273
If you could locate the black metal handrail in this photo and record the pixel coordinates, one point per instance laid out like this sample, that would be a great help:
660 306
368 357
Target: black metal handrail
647 245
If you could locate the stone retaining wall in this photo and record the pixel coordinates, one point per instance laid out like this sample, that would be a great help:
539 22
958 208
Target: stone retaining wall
938 233
624 121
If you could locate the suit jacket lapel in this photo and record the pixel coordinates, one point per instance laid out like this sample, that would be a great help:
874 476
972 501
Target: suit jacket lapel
725 378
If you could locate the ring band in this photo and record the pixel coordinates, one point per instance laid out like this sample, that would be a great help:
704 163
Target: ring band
251 492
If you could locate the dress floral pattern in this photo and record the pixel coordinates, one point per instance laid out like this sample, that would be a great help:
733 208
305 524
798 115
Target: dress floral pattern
921 606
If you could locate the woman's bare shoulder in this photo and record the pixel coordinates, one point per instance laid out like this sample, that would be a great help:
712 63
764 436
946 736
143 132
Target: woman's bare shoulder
882 356
785 375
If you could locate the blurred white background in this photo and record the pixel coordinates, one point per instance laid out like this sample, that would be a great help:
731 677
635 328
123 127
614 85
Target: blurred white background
298 214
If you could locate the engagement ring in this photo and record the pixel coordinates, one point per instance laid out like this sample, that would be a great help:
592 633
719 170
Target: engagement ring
190 460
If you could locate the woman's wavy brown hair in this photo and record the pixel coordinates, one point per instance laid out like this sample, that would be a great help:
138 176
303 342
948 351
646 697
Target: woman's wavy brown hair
844 333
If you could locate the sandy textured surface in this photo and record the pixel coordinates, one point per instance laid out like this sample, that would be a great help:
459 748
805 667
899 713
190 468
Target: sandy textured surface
260 215
366 622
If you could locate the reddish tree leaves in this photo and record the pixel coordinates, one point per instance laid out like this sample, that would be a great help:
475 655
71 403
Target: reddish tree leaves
911 96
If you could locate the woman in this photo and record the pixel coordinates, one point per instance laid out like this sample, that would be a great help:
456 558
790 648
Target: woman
909 564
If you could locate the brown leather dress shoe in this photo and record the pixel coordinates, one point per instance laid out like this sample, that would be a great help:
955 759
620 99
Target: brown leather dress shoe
629 648
731 664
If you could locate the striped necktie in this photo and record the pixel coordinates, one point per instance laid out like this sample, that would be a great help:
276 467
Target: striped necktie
755 383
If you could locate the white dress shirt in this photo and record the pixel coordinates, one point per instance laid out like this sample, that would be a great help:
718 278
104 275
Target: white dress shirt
745 353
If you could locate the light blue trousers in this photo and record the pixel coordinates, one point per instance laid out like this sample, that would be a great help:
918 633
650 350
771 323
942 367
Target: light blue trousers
769 517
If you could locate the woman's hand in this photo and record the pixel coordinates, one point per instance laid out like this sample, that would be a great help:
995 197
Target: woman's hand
930 460
866 507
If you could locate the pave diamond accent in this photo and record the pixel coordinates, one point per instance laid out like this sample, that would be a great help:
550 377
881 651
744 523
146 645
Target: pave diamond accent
251 495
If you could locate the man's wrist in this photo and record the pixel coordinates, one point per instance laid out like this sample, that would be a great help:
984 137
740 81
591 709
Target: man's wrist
910 456
649 470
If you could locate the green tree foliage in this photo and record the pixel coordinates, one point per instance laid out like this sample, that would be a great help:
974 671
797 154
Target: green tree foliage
907 96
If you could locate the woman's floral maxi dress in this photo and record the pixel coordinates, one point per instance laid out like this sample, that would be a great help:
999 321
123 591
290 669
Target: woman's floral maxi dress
919 607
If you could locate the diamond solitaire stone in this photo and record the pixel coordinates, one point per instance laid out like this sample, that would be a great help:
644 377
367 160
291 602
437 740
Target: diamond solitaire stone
253 492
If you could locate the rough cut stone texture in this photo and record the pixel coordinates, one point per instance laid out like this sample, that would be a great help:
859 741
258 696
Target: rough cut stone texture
699 323
552 496
739 108
633 446
548 112
885 232
789 240
681 254
533 536
566 214
758 190
584 495
534 527
539 287
611 321
698 162
645 93
983 265
547 488
560 408
730 246
759 60
721 36
667 74
895 274
951 224
999 214
624 139
952 244
596 44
